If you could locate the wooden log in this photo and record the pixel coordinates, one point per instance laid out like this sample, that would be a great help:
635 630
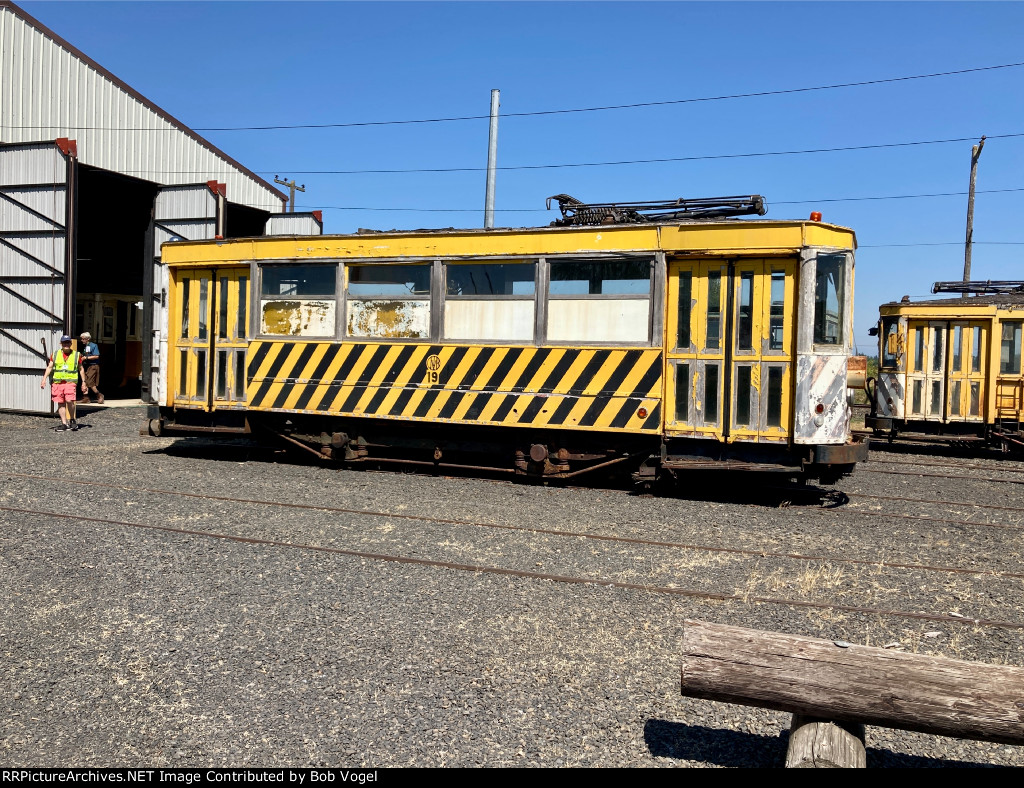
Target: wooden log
851 683
823 744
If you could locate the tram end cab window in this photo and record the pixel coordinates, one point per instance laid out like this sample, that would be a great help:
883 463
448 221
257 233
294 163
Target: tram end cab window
490 302
890 343
600 300
388 301
1009 350
829 299
298 300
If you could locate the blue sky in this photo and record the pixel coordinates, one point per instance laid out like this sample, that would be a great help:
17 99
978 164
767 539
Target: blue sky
272 63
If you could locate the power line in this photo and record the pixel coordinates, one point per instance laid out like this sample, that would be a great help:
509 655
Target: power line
708 157
769 202
539 113
942 243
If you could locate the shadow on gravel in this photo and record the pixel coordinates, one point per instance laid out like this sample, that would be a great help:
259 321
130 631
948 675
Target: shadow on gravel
713 745
737 487
666 739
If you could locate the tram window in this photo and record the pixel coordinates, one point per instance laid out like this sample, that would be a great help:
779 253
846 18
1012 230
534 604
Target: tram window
682 392
828 299
222 317
743 396
918 350
243 307
1009 353
389 301
184 307
774 410
201 374
599 300
183 372
490 301
745 328
204 297
222 374
936 397
937 351
975 398
685 309
600 277
954 399
916 399
240 374
714 333
890 329
778 311
298 280
711 394
958 356
976 350
107 327
297 300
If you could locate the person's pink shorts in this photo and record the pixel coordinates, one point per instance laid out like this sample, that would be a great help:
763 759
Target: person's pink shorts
63 392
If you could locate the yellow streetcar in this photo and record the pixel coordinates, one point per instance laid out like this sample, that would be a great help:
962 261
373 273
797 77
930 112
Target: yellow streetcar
950 369
654 340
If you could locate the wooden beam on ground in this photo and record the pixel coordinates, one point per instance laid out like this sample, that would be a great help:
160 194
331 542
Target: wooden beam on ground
846 682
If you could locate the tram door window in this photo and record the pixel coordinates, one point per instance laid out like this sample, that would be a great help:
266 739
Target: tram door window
729 352
926 381
211 318
966 355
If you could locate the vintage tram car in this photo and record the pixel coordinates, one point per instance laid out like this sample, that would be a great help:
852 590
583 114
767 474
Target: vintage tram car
950 369
659 343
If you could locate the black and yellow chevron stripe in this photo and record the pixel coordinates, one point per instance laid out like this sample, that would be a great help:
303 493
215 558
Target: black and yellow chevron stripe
575 388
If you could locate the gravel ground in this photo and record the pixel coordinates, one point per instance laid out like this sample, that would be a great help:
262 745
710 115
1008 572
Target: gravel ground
125 646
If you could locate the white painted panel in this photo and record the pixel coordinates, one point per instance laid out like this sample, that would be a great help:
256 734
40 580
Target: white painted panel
297 317
389 319
22 348
598 320
488 320
49 201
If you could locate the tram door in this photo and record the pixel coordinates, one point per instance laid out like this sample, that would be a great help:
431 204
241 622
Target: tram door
211 325
730 349
926 376
967 361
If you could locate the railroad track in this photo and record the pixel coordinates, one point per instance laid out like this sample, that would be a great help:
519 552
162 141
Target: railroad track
695 593
568 579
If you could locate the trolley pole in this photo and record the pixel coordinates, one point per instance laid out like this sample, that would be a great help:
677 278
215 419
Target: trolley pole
492 159
292 188
975 155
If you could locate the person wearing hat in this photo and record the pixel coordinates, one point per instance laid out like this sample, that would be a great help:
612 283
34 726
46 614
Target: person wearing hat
90 368
66 366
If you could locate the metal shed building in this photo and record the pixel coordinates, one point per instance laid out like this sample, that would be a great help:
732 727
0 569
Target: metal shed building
94 177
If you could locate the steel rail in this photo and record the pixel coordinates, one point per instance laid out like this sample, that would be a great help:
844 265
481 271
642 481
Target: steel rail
556 532
524 573
962 466
942 476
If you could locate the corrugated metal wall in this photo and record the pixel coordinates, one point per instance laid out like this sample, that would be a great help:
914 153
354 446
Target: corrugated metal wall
47 92
33 261
294 224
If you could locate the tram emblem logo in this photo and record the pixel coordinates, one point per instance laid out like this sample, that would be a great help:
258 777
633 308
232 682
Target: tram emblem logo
433 369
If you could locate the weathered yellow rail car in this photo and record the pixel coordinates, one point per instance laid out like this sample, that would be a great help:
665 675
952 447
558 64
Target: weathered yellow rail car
549 351
951 369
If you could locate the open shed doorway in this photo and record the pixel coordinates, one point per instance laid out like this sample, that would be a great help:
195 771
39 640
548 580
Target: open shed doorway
114 212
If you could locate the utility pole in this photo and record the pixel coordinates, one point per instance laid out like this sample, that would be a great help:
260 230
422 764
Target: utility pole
975 155
492 159
292 188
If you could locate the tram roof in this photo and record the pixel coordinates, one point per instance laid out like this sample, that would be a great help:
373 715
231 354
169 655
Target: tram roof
711 237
